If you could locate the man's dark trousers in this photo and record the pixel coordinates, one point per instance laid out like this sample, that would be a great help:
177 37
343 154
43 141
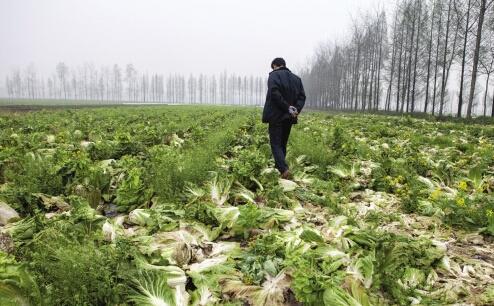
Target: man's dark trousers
278 138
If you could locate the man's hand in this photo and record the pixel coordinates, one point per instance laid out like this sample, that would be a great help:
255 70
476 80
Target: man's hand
293 111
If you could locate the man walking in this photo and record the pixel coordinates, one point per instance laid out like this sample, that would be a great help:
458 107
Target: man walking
284 102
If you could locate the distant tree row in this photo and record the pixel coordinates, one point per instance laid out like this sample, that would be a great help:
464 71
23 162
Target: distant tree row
114 84
429 57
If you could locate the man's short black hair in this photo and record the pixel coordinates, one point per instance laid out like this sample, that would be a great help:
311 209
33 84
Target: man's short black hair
278 62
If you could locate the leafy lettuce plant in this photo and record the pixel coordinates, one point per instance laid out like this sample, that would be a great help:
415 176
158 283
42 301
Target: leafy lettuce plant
17 285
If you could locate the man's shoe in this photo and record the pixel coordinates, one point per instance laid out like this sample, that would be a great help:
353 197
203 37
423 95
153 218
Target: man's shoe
287 175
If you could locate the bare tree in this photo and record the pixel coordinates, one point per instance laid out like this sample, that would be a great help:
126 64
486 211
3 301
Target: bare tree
62 71
445 53
486 65
483 8
463 58
10 88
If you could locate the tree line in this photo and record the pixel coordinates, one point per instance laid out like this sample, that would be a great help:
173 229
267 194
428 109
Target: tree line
430 56
116 84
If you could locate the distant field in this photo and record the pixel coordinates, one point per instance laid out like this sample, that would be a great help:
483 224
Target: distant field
26 105
53 102
34 104
183 201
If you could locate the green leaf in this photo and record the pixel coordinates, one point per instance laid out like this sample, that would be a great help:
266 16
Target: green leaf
311 236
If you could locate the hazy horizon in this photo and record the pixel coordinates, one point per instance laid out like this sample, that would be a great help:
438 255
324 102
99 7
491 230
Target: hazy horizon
184 37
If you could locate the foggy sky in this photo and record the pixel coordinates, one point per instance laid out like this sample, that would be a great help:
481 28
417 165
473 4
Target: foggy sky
171 36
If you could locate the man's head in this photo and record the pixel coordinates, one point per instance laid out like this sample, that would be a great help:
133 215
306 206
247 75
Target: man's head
277 63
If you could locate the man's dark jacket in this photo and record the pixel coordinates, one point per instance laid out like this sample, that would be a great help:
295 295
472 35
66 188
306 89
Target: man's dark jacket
285 89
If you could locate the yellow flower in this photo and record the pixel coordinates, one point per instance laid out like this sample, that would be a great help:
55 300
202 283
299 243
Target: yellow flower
460 202
463 186
436 194
490 213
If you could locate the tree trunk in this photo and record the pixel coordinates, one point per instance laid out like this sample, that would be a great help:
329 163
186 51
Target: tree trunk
378 85
444 79
399 68
393 62
437 60
492 109
416 57
409 77
430 58
483 8
485 95
357 75
453 52
463 61
406 69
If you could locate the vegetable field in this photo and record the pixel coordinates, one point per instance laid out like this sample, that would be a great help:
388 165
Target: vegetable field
180 205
